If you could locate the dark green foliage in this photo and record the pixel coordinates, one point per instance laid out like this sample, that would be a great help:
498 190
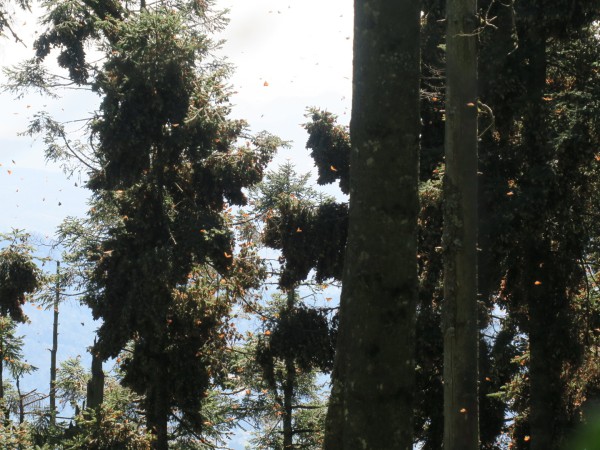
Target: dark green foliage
557 17
167 163
309 237
71 26
170 164
302 334
107 429
19 275
537 176
330 148
311 232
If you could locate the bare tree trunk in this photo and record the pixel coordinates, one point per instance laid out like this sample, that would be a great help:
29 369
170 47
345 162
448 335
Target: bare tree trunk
54 350
2 401
21 405
288 389
373 382
461 333
1 371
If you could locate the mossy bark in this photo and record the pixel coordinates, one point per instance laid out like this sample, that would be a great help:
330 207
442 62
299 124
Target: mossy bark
373 381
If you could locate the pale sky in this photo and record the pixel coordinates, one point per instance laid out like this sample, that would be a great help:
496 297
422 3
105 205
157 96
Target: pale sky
301 49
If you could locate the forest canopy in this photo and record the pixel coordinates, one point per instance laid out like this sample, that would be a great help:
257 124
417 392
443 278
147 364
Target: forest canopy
431 283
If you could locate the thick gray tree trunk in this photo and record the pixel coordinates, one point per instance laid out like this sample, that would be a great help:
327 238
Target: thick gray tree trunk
373 381
461 334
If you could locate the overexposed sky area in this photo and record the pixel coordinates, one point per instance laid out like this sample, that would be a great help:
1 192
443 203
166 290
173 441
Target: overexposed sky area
288 54
301 49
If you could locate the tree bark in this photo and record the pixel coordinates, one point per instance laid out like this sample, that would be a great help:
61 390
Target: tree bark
2 401
461 333
1 372
54 350
547 417
542 288
21 405
288 389
373 381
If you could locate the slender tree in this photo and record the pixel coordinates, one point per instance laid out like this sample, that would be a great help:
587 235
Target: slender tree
373 382
461 333
54 350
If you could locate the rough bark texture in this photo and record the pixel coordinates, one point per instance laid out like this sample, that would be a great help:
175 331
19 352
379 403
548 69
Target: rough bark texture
372 396
461 333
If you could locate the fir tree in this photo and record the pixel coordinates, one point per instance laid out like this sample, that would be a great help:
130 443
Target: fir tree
165 163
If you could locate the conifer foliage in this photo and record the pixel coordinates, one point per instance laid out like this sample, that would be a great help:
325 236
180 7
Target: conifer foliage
164 253
168 163
19 275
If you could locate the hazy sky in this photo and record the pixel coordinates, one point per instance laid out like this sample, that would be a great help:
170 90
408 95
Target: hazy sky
289 55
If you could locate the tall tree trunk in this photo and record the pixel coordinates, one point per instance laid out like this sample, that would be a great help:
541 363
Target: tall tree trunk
288 388
545 296
21 396
2 401
1 372
3 407
54 350
461 333
547 417
373 381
